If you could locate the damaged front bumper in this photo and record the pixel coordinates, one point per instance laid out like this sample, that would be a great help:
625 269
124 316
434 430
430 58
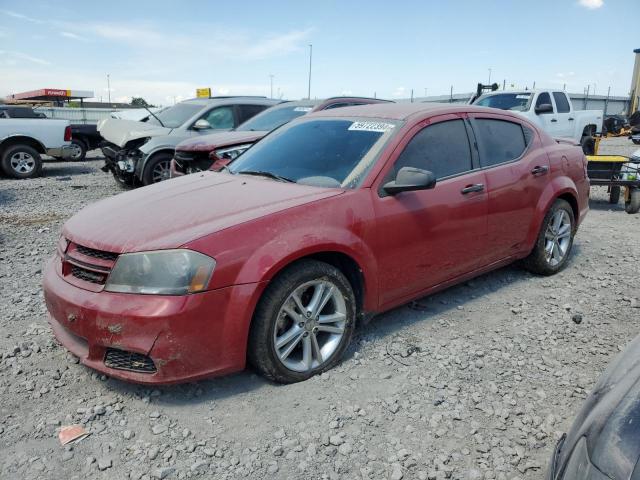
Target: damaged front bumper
151 339
122 162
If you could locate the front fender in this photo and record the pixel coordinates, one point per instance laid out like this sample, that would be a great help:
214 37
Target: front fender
554 189
165 143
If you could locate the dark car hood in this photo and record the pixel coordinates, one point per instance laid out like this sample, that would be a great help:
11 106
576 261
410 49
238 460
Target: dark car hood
172 213
206 143
610 418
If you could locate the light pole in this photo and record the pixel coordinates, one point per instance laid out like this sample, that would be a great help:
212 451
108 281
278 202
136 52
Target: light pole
489 77
425 92
310 58
108 88
271 78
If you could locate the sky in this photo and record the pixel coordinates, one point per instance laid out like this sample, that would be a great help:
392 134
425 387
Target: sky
163 50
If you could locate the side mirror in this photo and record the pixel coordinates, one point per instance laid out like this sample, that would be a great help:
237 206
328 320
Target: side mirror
409 179
202 124
544 108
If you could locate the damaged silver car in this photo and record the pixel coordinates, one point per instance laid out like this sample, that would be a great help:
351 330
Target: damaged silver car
139 153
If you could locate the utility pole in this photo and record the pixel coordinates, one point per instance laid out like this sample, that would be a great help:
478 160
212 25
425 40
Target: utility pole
606 102
504 84
310 58
425 92
109 87
271 78
412 95
489 82
451 95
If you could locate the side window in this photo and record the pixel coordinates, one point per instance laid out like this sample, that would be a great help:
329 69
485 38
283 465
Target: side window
220 118
543 98
248 111
442 148
499 141
562 104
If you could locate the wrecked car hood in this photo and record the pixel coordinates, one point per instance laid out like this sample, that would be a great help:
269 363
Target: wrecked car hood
121 132
172 213
206 143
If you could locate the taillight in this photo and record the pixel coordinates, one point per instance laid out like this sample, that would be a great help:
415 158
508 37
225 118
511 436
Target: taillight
67 133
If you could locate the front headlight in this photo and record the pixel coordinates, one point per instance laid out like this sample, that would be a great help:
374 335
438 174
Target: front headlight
231 153
161 272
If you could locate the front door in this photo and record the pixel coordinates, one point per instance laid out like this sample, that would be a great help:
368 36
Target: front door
424 238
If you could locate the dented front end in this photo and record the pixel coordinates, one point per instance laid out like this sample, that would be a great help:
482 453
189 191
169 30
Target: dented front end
151 339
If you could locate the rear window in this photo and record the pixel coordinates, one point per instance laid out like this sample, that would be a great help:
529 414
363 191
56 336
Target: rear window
518 102
273 118
499 141
324 152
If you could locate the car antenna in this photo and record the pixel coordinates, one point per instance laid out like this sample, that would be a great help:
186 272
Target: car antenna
154 115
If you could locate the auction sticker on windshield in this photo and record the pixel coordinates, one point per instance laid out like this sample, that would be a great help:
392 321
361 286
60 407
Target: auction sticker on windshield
302 109
371 126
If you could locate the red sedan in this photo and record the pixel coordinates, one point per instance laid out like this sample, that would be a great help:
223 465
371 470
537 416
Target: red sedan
332 218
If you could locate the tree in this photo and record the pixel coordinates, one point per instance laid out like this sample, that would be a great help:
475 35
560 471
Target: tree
140 102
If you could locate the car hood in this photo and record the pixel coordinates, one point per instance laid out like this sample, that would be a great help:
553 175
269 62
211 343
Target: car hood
609 418
121 132
172 213
207 143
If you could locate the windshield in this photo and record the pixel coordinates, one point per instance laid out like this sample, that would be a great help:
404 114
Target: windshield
174 117
335 153
273 118
505 101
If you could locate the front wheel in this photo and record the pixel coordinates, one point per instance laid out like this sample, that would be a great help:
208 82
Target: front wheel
553 245
632 203
588 144
303 322
21 161
157 169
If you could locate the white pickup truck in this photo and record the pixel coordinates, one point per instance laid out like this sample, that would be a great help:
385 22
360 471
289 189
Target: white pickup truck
23 140
552 111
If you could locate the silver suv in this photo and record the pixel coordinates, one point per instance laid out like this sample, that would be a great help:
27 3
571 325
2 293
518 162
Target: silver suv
139 153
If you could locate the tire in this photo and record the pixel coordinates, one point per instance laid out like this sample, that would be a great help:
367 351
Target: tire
79 150
614 195
21 161
633 204
300 331
588 145
157 169
637 142
539 261
121 183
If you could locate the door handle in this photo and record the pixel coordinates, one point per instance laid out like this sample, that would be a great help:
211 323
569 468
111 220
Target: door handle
476 187
554 120
540 170
571 119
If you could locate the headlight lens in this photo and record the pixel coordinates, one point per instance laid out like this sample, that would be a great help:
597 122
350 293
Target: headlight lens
231 153
161 272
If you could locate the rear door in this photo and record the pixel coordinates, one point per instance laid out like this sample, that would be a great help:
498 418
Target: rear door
566 121
517 171
423 238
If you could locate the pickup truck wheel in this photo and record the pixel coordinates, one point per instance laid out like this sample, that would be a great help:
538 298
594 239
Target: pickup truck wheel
614 195
637 142
588 145
553 245
303 323
632 205
157 169
21 161
78 150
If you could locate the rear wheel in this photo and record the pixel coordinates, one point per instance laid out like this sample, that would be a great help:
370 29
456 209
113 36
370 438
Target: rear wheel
78 150
157 169
614 194
553 246
588 145
21 161
632 204
303 323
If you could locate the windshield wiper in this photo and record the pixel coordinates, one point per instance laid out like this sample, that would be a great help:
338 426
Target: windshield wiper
259 173
154 115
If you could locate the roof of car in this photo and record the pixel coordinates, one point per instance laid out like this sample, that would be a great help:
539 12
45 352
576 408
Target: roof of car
227 100
399 111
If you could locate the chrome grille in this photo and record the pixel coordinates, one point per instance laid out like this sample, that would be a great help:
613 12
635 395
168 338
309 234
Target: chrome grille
134 362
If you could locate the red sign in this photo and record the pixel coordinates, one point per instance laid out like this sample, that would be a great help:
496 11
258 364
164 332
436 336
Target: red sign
55 93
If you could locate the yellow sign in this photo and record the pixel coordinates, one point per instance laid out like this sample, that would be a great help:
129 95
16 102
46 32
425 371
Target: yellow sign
203 92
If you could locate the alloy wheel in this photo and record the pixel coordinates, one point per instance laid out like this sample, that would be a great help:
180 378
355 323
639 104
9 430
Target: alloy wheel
161 171
557 237
310 326
22 162
76 151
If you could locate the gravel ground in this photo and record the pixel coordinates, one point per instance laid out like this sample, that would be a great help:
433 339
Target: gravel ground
476 382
